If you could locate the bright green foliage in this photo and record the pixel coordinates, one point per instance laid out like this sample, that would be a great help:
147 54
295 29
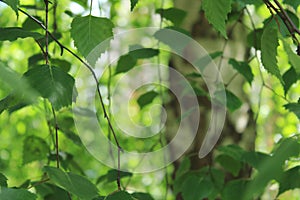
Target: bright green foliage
13 33
175 15
75 184
269 44
133 4
16 194
294 107
216 12
14 4
243 68
34 148
52 83
119 195
3 180
85 37
146 98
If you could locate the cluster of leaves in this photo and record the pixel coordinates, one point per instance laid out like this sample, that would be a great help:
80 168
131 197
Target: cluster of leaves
55 83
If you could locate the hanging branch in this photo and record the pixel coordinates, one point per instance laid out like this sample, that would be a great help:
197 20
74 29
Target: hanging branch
94 77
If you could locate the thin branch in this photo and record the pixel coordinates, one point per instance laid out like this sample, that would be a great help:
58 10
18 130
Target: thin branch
46 34
94 77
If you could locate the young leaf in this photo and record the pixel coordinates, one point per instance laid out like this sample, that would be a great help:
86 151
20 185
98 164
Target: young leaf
254 38
76 184
13 4
175 15
35 148
30 25
16 194
289 77
144 53
133 4
294 107
146 98
216 13
196 188
243 68
269 44
52 83
13 33
3 180
88 32
119 195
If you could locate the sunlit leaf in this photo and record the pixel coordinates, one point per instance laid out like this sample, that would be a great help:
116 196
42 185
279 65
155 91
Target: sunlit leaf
90 31
293 3
269 44
13 33
76 184
16 194
34 148
294 59
243 68
175 15
52 83
216 13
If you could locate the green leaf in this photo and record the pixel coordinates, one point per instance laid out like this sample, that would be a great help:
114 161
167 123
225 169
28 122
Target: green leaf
293 107
289 77
243 68
142 196
88 32
294 59
146 98
269 44
16 194
52 83
255 159
63 64
35 148
14 4
34 59
175 15
83 3
232 101
230 164
133 4
120 195
13 33
184 167
3 180
216 13
125 63
196 188
30 25
144 53
234 190
51 192
254 38
76 184
289 180
234 151
112 175
293 3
